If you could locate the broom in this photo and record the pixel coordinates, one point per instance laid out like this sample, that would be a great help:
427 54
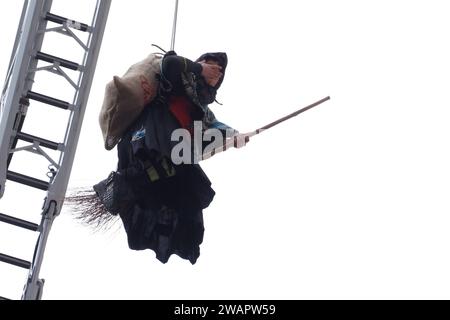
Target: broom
88 204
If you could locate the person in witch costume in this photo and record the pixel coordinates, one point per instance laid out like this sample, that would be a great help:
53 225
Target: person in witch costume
162 208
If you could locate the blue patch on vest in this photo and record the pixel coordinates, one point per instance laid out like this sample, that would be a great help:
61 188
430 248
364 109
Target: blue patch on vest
138 135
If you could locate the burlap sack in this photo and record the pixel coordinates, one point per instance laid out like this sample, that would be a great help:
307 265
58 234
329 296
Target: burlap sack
126 97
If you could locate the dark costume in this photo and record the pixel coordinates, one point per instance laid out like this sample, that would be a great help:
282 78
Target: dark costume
165 214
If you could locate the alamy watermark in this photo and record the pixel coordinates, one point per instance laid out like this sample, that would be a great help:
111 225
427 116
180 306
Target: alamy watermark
202 144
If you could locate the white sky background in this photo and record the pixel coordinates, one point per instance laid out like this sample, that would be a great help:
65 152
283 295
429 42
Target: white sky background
347 201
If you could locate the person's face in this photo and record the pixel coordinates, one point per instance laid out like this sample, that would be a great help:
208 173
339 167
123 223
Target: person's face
211 72
213 81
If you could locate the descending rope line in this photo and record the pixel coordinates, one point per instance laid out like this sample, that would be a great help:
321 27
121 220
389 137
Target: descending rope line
174 28
156 46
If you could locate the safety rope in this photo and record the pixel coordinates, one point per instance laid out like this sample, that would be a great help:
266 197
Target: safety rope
174 28
156 46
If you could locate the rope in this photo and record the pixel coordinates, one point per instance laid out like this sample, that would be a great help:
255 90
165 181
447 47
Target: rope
174 28
155 45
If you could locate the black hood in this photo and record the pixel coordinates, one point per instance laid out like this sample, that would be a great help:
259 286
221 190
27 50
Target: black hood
206 93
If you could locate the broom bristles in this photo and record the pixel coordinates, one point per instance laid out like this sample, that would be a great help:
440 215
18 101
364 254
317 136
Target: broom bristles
89 210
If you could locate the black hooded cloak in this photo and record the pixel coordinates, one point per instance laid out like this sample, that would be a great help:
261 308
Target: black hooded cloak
166 214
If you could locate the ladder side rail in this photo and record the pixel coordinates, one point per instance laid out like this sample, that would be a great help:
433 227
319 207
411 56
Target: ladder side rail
58 186
21 79
17 39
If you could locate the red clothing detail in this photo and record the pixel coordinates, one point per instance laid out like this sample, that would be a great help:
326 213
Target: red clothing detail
182 109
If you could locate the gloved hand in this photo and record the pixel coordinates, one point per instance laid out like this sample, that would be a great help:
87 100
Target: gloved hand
241 140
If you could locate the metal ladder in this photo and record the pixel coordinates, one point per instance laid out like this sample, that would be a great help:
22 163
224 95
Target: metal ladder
18 96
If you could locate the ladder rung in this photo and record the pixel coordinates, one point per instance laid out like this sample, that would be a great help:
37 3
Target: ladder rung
58 19
29 181
42 142
19 222
48 100
15 261
62 62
